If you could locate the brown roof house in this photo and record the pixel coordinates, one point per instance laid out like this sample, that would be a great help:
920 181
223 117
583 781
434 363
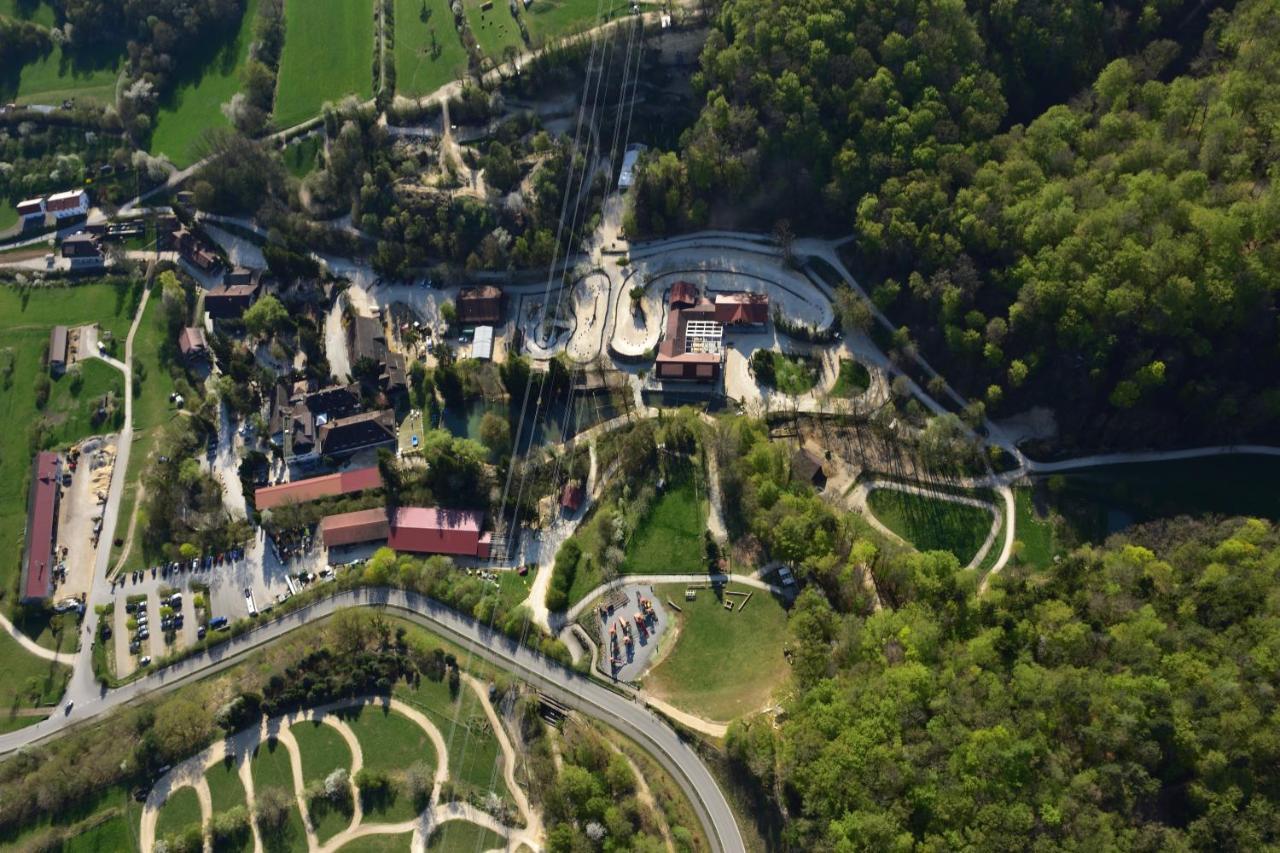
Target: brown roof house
230 301
692 348
806 466
742 309
481 305
57 350
192 344
369 341
84 250
345 436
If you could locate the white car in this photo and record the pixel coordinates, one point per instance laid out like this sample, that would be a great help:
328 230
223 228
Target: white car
145 660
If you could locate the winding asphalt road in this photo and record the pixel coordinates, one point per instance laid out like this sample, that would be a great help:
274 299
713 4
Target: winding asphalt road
562 684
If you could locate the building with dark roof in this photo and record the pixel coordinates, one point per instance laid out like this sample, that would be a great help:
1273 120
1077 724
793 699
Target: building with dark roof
230 301
58 350
807 467
691 350
314 488
194 251
39 554
369 341
481 305
83 250
742 309
356 432
65 205
571 496
237 276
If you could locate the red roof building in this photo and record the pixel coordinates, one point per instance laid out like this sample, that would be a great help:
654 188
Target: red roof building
415 529
691 348
481 305
742 309
684 294
42 527
301 491
352 528
436 530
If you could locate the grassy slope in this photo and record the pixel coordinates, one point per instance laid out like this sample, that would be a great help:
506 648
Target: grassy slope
457 836
225 788
931 524
1035 533
378 844
322 750
390 742
151 410
195 105
424 64
724 664
178 812
328 54
547 19
669 539
473 749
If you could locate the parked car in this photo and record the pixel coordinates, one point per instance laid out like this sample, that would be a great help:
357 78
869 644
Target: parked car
145 660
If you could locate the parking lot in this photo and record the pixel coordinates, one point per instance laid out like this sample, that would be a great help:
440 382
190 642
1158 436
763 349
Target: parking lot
80 513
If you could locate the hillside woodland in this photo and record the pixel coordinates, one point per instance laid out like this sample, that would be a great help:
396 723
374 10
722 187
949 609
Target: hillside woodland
1123 700
1057 200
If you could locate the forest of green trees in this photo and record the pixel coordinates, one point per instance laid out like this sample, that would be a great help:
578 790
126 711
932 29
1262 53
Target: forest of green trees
1123 700
1060 200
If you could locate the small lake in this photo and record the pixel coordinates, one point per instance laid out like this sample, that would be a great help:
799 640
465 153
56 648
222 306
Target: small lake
560 420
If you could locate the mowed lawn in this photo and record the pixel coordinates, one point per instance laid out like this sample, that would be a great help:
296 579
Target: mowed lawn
26 316
549 19
474 754
428 52
178 812
669 540
328 54
390 843
932 524
87 74
390 743
458 836
271 769
495 29
322 750
724 663
225 788
207 81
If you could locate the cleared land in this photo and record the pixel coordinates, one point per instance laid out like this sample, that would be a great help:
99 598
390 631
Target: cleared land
428 52
208 80
724 663
932 524
328 54
178 812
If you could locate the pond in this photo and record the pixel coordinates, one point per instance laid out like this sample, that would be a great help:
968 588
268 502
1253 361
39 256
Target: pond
1100 501
585 410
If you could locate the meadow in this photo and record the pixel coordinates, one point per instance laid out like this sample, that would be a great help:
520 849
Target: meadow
932 524
428 52
328 54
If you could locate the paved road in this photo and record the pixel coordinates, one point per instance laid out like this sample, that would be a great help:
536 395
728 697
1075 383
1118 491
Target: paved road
564 685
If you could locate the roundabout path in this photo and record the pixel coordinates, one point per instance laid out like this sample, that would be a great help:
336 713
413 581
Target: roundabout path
862 492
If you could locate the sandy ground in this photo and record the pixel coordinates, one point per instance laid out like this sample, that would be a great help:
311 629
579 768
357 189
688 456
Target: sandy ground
590 302
335 342
79 507
242 252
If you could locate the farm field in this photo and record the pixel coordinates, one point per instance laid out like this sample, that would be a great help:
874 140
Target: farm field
195 105
669 540
931 524
724 663
328 54
495 30
26 316
428 52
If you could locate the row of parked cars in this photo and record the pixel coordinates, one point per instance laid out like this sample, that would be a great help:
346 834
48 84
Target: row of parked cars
195 564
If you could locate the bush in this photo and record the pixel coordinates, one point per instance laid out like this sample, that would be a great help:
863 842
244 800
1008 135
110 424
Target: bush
563 575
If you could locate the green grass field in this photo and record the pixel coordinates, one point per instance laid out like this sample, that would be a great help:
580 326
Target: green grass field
428 52
390 742
932 524
379 844
90 75
13 724
460 836
8 214
495 30
300 156
105 822
225 788
322 750
178 812
548 19
26 316
724 663
793 374
207 81
473 749
271 769
513 589
852 381
70 412
1035 533
670 538
328 54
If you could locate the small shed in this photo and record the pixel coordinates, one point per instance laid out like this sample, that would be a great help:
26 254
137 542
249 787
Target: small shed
807 467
